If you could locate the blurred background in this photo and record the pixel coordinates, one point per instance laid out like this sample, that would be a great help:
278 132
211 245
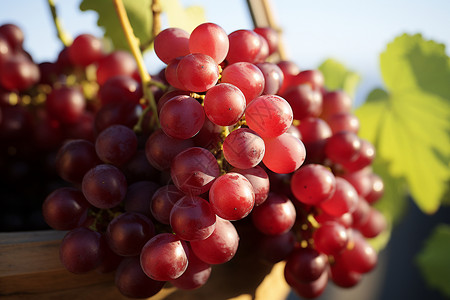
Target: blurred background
352 32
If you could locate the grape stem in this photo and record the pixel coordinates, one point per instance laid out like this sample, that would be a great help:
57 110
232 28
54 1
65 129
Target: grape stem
156 26
62 35
133 43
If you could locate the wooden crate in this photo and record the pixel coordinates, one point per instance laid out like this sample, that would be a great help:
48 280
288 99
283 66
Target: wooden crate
30 269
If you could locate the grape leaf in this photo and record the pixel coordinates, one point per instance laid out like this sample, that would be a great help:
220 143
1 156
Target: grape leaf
337 76
433 259
138 11
409 124
185 18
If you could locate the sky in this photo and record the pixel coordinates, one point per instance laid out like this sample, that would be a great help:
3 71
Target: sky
353 32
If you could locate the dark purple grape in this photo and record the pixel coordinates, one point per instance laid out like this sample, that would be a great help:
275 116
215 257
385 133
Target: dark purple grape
104 186
82 250
127 233
160 149
163 201
133 282
74 159
139 197
65 208
116 144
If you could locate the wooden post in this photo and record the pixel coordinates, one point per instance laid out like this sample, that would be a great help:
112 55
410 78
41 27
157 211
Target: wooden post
262 15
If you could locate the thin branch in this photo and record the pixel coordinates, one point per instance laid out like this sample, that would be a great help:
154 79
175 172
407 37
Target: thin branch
133 43
62 35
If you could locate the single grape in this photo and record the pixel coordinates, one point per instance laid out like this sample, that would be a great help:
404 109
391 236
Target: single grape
375 224
224 104
120 88
364 158
343 200
116 144
209 39
361 258
124 113
81 250
269 116
314 129
273 77
360 180
18 73
65 208
171 43
293 153
192 218
344 121
275 216
160 149
194 170
246 77
312 77
127 233
305 264
116 63
342 147
243 148
330 238
132 282
231 196
85 50
13 34
220 246
74 159
66 104
164 257
182 117
304 101
197 72
335 102
244 46
104 186
313 184
343 277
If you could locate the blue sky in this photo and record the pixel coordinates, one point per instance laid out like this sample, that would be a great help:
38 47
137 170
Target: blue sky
353 32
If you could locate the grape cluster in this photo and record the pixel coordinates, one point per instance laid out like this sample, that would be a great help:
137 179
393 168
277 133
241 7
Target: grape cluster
240 140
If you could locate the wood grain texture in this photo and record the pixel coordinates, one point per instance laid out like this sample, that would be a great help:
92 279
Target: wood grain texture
30 269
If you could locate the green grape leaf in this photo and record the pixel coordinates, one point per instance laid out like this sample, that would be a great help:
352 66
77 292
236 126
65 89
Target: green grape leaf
185 18
434 260
409 124
337 76
138 11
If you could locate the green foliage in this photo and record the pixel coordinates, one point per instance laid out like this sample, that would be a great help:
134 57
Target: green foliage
337 76
138 11
433 260
185 18
409 124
